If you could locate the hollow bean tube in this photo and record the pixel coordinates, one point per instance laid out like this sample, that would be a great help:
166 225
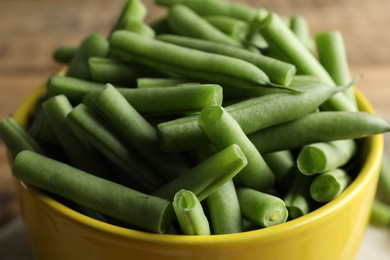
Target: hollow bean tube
184 21
321 157
261 208
190 63
137 131
85 122
145 211
329 185
93 45
224 210
224 165
279 72
222 130
252 115
81 153
318 127
16 138
277 33
190 214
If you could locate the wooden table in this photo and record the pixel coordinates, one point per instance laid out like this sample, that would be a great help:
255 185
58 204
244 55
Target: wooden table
30 31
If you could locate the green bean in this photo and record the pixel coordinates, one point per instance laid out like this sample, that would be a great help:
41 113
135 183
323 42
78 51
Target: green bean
216 7
300 27
224 165
278 72
332 55
380 214
318 127
64 54
146 212
384 179
159 82
190 214
191 63
81 153
83 121
224 210
328 185
137 131
92 46
40 129
139 27
252 115
261 208
106 70
184 21
234 28
16 138
281 163
322 157
131 10
281 37
222 130
297 199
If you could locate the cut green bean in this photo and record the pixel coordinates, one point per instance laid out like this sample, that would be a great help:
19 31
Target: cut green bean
190 214
278 72
137 131
380 214
300 27
40 129
252 115
216 7
106 70
159 82
318 127
81 154
131 10
191 63
261 208
224 210
332 55
92 46
82 120
281 163
234 28
327 186
139 27
16 138
64 54
222 130
297 199
224 165
281 37
322 157
145 211
184 21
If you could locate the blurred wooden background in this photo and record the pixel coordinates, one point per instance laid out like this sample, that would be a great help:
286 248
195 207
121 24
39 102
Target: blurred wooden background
31 29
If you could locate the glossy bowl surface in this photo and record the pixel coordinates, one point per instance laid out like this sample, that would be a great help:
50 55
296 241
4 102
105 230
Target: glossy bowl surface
334 231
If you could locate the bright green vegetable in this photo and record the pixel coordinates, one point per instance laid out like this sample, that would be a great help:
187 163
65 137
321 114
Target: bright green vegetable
261 208
300 27
224 165
329 185
281 163
234 28
159 82
139 27
92 46
146 212
318 127
189 213
184 21
137 132
81 154
321 157
278 72
64 54
131 10
140 174
224 210
222 131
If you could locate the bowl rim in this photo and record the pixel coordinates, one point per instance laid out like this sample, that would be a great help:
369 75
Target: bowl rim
374 144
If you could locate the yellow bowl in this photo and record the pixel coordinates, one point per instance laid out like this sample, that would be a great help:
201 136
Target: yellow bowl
334 231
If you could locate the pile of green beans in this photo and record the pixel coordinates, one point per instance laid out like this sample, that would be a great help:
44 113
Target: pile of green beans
214 116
